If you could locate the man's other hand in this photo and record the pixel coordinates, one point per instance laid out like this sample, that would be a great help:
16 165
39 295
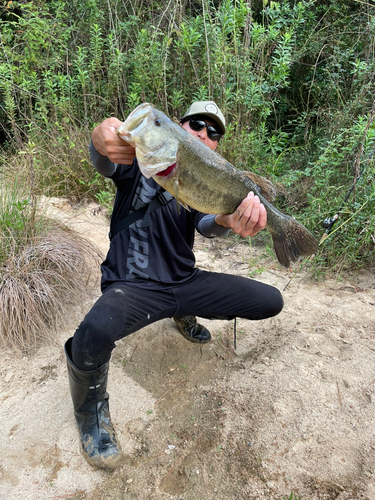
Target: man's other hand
249 218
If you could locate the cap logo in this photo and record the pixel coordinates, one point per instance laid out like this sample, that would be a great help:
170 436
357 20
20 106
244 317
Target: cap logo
211 108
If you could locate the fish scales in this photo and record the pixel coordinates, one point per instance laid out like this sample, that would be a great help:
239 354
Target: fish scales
200 178
214 174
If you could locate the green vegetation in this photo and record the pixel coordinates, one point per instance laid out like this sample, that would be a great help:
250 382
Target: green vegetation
292 496
294 79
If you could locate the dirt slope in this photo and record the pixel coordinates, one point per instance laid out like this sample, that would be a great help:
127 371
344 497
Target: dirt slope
290 409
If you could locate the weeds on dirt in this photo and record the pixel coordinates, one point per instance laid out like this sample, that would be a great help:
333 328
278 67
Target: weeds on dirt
42 265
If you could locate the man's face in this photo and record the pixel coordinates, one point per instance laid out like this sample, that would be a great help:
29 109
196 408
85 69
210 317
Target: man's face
202 134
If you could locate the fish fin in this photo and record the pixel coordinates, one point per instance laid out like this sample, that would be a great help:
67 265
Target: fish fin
175 194
186 207
266 188
292 240
178 201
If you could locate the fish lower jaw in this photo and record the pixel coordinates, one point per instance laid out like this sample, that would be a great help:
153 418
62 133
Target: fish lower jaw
168 172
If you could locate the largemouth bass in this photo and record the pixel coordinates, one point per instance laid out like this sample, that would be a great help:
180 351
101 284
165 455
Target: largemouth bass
200 178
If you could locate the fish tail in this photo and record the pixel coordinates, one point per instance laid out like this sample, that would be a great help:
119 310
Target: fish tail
292 240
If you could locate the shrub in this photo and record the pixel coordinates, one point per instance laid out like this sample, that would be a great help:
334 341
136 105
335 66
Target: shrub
42 265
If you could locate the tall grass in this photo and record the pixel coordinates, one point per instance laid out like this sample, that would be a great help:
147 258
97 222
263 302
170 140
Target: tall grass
42 264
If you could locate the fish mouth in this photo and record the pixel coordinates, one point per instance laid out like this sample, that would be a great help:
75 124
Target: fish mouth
137 116
154 153
133 122
168 171
125 135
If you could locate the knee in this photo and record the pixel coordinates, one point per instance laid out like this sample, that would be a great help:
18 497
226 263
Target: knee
95 330
276 303
92 344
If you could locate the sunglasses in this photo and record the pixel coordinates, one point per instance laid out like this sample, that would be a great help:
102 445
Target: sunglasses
198 125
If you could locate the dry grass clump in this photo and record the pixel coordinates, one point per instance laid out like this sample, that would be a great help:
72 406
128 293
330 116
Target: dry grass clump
37 279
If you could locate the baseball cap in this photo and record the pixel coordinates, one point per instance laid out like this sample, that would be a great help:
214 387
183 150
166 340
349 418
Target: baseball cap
208 108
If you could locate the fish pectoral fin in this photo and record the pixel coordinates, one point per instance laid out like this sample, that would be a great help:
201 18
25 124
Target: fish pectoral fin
178 201
175 194
186 207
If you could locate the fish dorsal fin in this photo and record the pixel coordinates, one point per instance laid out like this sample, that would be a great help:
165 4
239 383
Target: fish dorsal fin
266 188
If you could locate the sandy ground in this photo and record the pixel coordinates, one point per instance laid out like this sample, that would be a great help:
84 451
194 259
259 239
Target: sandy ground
291 409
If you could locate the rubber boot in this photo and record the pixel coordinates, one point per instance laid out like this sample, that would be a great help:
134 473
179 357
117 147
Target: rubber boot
88 390
192 330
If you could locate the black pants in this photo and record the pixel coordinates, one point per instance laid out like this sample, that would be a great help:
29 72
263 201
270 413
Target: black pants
124 309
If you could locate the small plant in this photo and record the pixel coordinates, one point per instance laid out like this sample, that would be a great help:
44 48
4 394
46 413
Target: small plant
106 199
258 270
292 496
184 367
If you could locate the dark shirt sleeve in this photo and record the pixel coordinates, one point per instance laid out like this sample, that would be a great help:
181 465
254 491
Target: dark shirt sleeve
102 164
208 228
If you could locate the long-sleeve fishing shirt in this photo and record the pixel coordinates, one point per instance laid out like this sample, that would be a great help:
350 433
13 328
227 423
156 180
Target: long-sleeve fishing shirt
160 254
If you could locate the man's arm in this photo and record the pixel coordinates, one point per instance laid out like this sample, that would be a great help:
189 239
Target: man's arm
102 164
209 228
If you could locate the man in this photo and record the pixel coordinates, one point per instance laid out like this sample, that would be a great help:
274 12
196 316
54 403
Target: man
149 274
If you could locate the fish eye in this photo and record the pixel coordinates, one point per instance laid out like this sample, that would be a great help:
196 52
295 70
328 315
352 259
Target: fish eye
157 122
